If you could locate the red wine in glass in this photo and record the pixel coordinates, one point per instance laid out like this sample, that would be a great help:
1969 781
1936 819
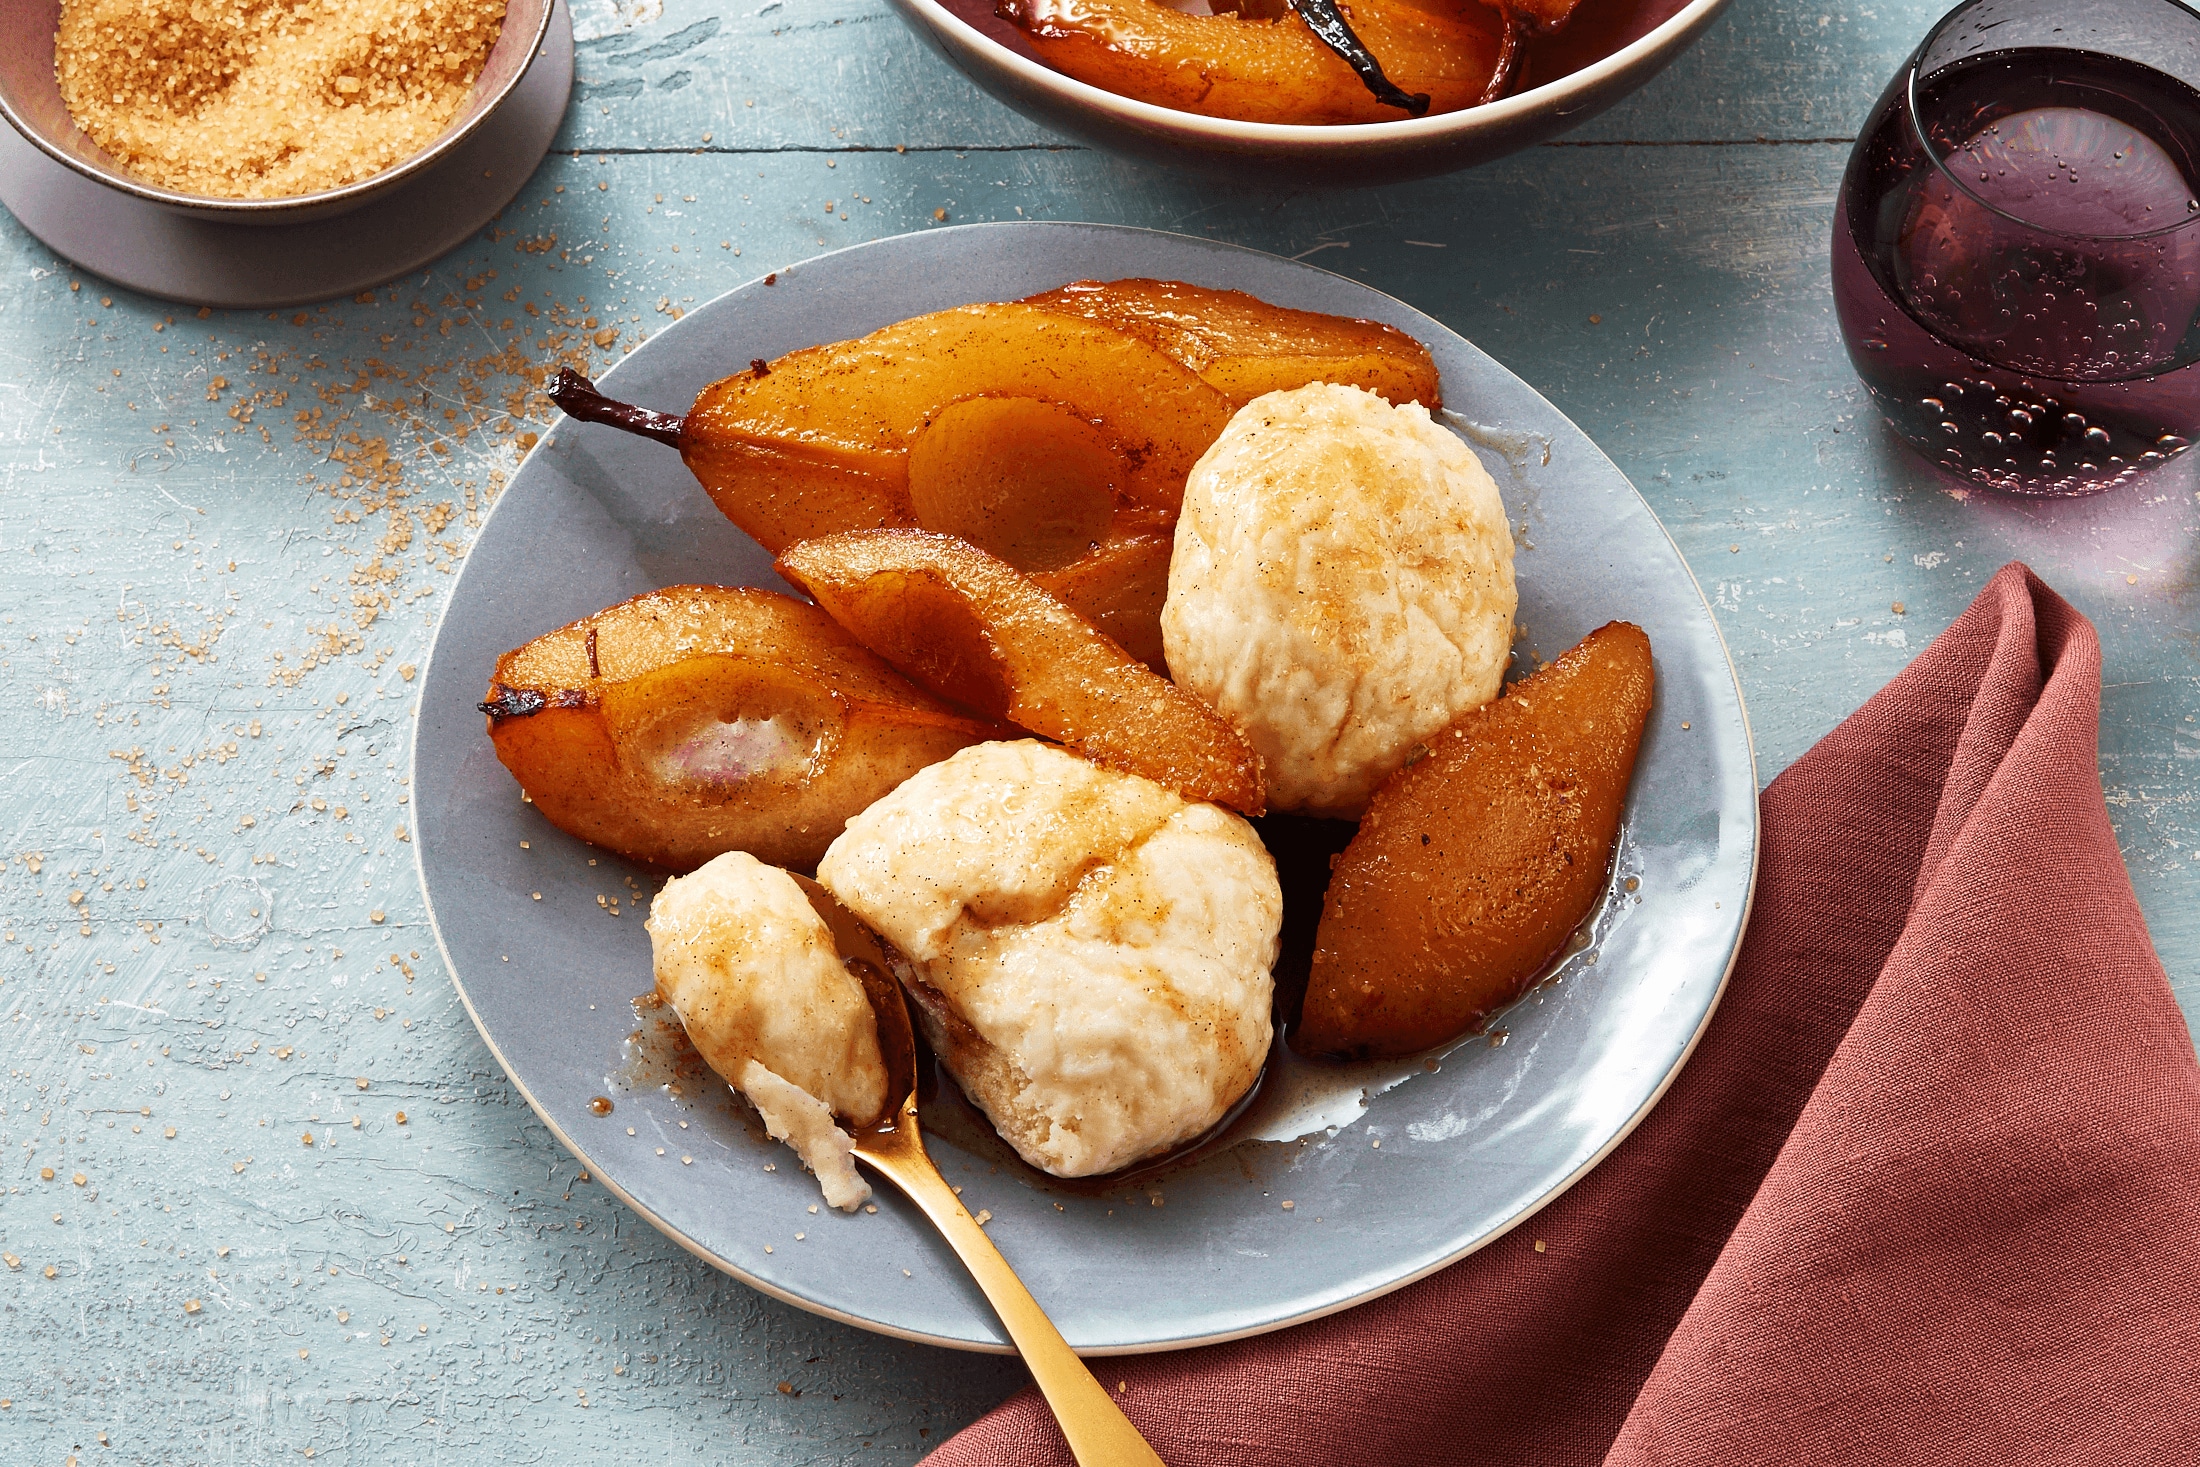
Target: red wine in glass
2016 249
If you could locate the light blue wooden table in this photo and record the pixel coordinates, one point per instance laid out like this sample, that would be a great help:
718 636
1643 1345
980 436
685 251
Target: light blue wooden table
225 538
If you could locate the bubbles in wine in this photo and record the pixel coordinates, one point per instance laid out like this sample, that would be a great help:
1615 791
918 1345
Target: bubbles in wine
2021 299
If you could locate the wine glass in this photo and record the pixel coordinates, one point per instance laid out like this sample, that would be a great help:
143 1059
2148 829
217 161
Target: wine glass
2016 247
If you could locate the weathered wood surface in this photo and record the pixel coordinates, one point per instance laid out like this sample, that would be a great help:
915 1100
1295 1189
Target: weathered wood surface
210 609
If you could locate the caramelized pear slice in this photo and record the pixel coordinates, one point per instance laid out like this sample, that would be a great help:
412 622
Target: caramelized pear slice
1244 347
820 440
703 719
1030 484
973 629
1120 584
973 473
1476 863
1263 70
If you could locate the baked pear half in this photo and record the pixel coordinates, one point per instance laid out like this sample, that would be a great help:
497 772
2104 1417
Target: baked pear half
1478 860
1055 434
697 720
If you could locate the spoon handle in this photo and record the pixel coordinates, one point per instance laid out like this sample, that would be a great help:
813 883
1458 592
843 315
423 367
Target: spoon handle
1099 1434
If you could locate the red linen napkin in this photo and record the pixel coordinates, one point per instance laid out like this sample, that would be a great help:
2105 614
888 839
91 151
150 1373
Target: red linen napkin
1929 1190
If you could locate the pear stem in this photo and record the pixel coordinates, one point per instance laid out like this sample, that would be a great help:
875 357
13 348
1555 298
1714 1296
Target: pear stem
580 399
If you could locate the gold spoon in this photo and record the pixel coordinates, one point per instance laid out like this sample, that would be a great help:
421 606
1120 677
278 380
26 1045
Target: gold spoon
1099 1434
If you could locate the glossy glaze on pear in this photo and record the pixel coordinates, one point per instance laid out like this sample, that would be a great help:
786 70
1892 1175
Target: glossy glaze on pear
820 440
1476 862
1243 347
696 720
1258 63
1054 434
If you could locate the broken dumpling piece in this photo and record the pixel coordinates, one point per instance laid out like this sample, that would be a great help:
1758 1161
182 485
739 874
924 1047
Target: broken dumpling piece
1091 951
1476 862
970 628
702 719
1342 588
753 972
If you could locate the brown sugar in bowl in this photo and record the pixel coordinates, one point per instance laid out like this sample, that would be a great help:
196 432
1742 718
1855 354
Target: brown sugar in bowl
31 100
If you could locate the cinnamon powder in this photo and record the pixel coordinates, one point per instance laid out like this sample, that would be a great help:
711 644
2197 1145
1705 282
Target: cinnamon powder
268 98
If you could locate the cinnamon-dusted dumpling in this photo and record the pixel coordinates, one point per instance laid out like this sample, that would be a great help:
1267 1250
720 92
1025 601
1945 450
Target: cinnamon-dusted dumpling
1094 949
1342 588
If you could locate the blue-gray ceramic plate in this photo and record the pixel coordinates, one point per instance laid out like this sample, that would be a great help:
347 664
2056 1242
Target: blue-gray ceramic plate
1307 1214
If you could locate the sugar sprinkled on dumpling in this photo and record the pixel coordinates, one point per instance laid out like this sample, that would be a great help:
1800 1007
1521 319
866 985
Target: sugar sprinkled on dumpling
1341 588
751 969
1097 948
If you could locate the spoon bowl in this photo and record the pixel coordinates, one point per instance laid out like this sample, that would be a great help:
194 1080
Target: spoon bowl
1099 1434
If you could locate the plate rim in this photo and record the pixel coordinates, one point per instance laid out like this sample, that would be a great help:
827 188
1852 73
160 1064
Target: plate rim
727 1266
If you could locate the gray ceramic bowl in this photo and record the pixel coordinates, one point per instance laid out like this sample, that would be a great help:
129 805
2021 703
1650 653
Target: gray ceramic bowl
30 98
1631 39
